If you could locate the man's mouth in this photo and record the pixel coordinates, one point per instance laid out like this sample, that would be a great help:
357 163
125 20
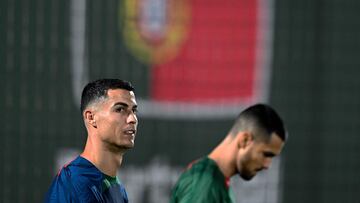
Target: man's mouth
130 132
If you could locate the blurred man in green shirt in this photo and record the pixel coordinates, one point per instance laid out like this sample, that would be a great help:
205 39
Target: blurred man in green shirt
257 136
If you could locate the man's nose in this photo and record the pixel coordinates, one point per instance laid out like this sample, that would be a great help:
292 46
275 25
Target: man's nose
132 118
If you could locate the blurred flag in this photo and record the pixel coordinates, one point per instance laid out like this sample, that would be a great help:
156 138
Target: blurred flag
202 53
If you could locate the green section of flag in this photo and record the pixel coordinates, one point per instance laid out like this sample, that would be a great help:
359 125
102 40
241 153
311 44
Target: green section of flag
108 55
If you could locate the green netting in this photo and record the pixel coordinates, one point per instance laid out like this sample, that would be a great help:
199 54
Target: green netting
314 85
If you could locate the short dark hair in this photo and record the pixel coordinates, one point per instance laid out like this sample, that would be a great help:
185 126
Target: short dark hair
262 119
98 89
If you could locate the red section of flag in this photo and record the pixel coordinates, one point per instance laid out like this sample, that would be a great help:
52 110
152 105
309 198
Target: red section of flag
217 61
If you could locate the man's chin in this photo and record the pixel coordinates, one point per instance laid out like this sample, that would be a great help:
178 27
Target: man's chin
127 146
123 147
247 177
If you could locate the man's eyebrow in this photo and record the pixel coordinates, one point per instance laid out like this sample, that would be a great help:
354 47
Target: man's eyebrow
121 103
124 104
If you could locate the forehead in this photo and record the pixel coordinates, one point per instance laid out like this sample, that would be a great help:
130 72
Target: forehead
121 95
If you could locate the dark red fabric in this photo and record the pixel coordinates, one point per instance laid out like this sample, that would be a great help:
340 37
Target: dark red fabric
217 60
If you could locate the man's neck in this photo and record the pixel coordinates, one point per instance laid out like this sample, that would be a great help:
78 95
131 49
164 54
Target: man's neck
108 162
222 156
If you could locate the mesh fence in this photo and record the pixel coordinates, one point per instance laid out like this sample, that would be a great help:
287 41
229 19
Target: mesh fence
195 64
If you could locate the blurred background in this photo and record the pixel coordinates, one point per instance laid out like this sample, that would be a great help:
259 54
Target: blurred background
195 65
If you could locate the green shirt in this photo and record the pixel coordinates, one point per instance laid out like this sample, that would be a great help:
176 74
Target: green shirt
202 182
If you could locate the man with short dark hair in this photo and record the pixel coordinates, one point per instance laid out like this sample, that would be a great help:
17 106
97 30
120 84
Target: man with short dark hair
257 136
108 108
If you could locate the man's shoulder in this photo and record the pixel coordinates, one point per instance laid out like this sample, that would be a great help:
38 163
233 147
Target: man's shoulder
198 176
74 180
201 182
81 169
203 169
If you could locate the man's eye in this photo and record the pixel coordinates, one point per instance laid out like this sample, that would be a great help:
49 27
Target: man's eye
135 111
120 109
267 154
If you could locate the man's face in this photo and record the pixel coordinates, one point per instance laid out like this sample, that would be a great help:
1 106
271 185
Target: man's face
116 119
258 156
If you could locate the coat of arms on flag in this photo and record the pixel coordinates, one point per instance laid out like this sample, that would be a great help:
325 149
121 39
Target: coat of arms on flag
207 58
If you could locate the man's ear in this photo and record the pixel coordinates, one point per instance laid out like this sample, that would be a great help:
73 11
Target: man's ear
244 139
89 118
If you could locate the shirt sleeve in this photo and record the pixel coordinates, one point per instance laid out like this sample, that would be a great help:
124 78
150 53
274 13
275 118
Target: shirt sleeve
61 190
